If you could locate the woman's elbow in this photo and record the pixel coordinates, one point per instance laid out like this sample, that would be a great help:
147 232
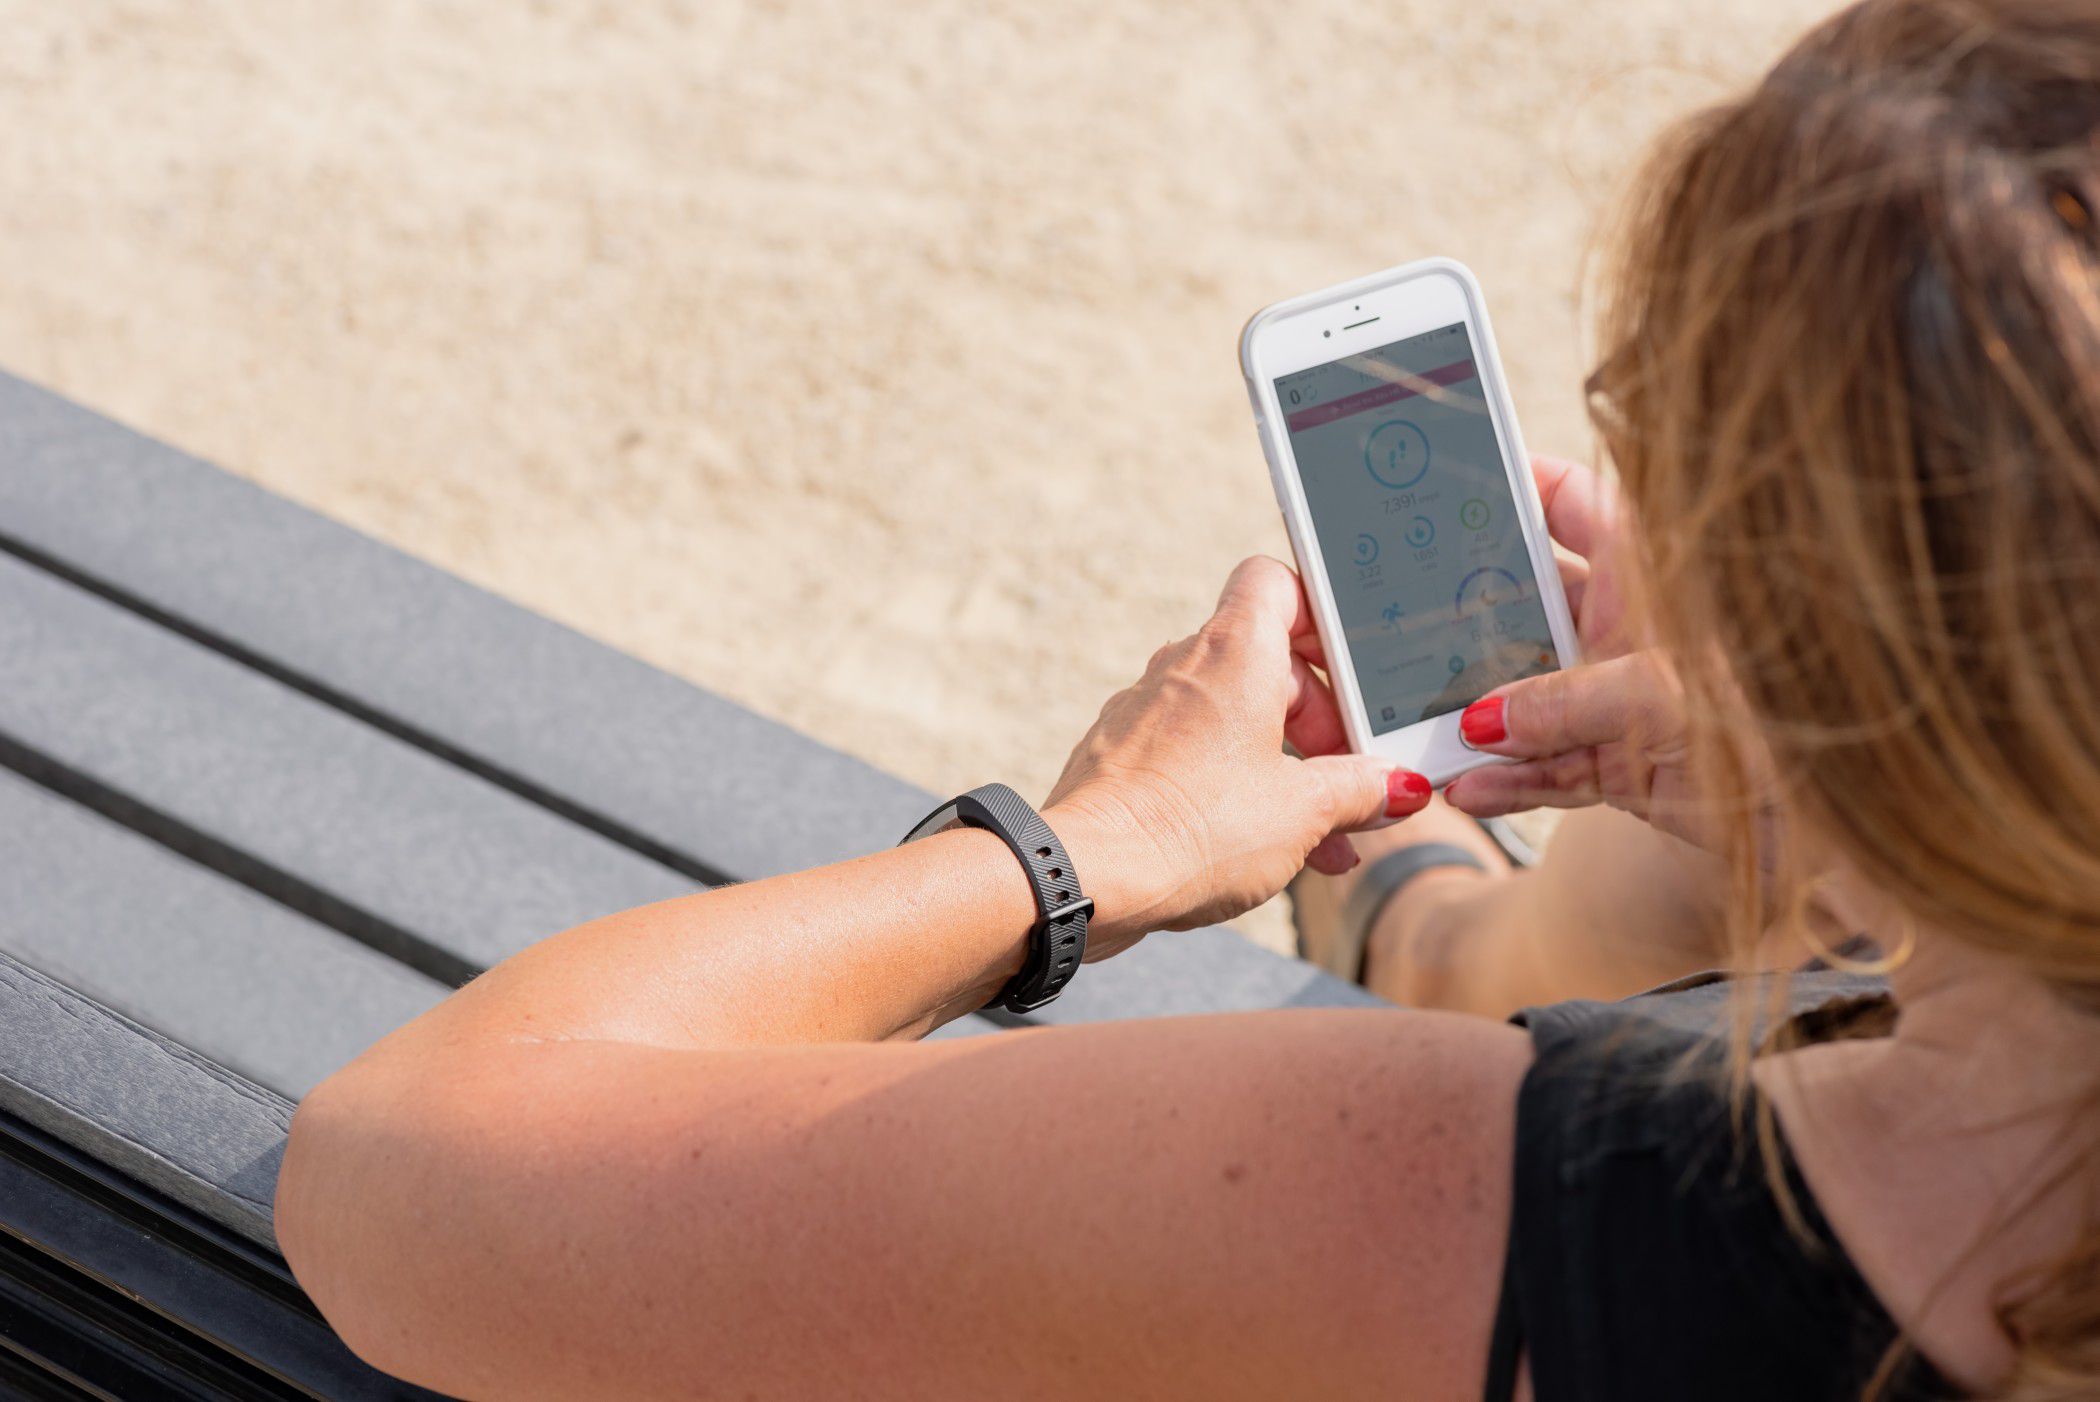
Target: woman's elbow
398 1213
334 1226
304 1187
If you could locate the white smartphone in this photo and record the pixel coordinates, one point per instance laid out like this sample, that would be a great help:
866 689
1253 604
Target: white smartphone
1410 502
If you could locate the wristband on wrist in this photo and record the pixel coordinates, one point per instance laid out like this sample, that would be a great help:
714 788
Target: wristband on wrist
1057 939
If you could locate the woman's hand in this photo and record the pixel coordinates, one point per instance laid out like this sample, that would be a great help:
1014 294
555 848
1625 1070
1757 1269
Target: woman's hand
1608 731
1180 807
1605 732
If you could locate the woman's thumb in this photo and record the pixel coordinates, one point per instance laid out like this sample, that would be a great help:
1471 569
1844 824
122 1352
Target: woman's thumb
1353 792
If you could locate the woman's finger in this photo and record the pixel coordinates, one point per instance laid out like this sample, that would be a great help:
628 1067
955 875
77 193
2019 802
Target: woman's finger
1595 704
1496 790
1355 793
1308 646
1334 855
1266 591
1582 507
1574 580
1312 723
1305 631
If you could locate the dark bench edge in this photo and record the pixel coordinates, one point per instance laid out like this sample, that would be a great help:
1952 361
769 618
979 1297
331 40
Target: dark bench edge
111 1286
132 1099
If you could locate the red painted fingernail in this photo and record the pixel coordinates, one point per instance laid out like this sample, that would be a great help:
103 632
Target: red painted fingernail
1405 792
1482 723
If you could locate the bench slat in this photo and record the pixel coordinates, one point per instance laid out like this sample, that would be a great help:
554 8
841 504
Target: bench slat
216 753
257 988
1212 970
724 791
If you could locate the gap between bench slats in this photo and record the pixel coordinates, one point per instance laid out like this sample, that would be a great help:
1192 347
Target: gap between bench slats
261 990
434 866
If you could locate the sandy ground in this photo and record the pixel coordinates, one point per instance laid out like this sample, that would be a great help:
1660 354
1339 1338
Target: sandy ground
872 364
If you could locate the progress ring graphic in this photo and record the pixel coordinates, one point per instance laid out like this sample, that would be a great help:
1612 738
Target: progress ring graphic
1488 587
1397 454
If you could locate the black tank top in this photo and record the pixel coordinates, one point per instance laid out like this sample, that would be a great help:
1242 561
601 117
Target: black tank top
1649 1258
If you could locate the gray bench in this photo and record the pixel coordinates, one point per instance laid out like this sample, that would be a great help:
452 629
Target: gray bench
268 788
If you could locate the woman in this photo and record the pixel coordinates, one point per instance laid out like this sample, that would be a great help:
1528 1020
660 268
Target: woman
1849 641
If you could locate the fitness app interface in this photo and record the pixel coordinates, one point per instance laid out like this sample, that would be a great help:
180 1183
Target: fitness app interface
1418 526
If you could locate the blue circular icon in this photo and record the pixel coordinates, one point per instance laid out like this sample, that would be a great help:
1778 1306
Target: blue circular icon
1366 549
1458 664
1487 587
1420 532
1397 454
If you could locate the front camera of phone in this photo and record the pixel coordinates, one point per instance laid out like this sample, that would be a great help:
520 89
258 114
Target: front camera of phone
1326 333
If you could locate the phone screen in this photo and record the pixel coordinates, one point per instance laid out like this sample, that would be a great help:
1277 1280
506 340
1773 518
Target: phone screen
1404 475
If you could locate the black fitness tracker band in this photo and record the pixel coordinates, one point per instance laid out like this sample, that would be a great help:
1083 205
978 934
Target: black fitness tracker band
1057 940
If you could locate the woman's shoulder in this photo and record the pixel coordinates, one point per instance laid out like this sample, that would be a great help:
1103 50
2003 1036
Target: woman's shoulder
1699 1009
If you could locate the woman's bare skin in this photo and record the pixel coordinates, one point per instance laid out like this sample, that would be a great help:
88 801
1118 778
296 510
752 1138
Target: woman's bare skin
1613 907
693 1149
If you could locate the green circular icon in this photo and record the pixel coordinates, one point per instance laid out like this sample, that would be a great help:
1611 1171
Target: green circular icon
1474 515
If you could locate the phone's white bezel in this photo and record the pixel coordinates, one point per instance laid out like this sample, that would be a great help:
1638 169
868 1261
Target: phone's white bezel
1346 320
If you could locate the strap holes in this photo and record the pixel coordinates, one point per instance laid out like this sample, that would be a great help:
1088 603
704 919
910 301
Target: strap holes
1043 852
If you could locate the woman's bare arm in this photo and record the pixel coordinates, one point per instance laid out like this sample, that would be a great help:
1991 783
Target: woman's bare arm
1261 1206
665 1154
1613 908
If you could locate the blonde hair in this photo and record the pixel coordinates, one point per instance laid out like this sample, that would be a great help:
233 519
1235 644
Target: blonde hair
1851 384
